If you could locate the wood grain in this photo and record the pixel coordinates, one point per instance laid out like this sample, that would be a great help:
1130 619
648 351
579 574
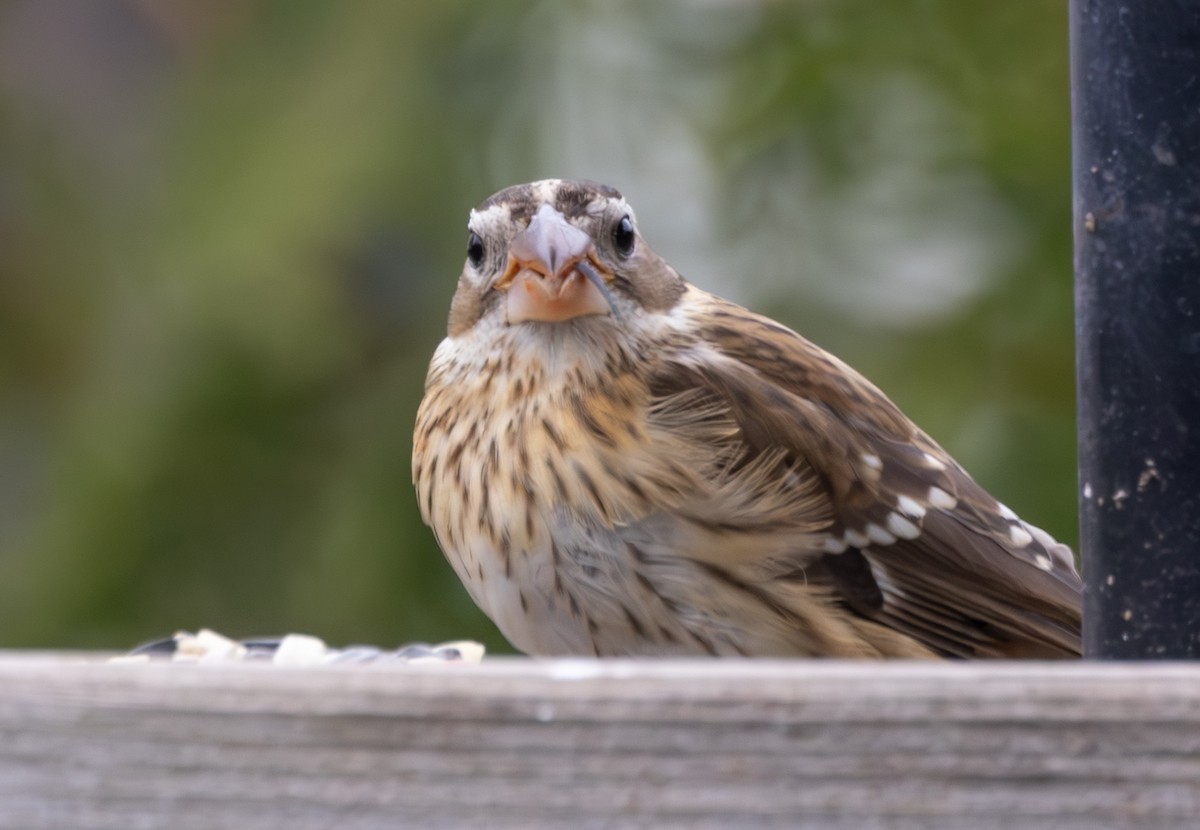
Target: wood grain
581 743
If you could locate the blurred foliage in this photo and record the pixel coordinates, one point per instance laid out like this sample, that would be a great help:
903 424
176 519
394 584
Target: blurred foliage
229 232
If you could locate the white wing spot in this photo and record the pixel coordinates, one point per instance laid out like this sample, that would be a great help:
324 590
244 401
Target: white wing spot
902 527
1006 512
1020 536
1043 562
879 536
872 461
941 499
911 507
933 462
835 545
856 539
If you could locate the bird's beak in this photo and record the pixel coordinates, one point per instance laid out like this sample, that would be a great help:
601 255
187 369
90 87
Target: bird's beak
553 273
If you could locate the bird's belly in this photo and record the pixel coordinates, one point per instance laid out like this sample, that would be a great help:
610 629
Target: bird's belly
519 592
621 591
572 594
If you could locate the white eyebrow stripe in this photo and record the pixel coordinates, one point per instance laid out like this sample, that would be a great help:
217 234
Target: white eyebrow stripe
480 219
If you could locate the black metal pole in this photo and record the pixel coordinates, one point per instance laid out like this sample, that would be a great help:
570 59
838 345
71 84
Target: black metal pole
1135 89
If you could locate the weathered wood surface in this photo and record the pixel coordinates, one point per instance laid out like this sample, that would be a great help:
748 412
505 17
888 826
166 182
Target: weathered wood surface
516 743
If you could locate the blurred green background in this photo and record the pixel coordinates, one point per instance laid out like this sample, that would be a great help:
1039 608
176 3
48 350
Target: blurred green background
230 230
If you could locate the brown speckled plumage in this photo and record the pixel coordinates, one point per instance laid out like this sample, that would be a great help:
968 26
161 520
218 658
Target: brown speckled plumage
683 476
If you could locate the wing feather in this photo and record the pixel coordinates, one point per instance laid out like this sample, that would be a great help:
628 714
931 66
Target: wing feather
912 541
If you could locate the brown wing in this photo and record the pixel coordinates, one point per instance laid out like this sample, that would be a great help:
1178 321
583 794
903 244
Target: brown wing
914 542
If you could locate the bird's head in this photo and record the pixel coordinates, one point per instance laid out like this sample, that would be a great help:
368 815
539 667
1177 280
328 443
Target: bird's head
555 251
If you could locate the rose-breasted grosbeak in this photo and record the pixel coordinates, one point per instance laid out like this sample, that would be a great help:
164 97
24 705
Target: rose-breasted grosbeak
616 462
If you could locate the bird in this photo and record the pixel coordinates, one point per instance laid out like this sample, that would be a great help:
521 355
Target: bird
616 462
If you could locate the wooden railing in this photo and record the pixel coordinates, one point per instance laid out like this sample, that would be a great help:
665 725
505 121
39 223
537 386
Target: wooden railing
582 743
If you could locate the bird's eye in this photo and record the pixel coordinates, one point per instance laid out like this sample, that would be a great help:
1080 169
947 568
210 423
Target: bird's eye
623 236
475 249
